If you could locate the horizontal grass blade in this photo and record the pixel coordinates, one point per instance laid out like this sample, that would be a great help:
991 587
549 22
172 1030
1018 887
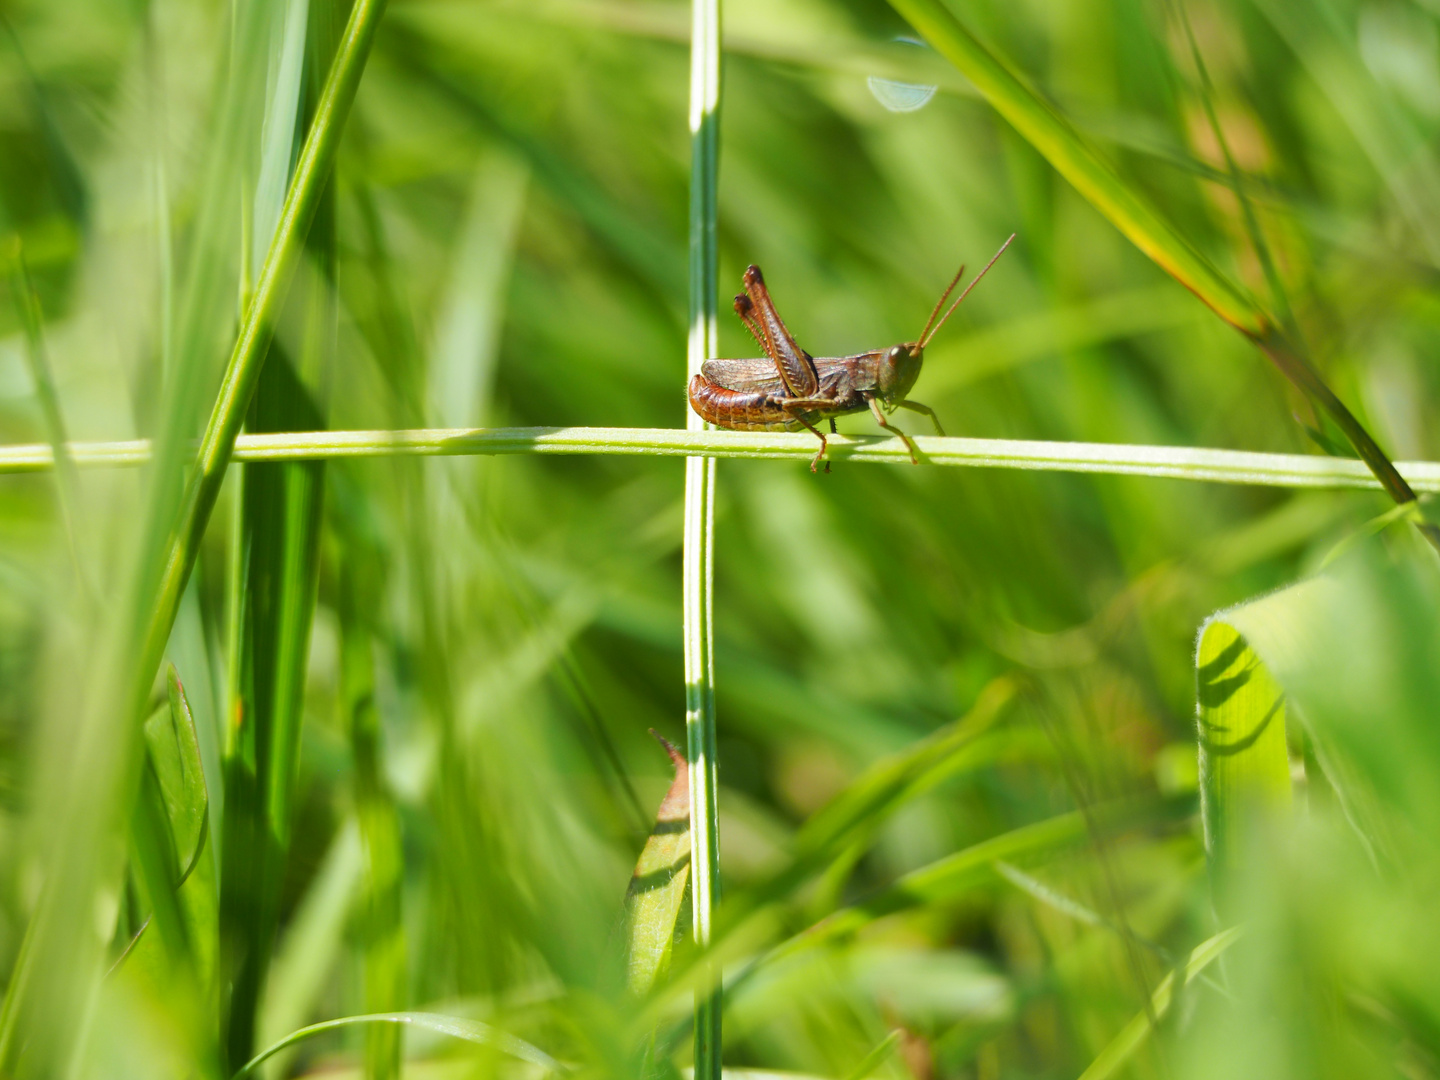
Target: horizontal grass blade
1167 462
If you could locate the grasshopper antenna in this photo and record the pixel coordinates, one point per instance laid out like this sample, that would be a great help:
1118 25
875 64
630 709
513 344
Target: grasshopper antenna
928 332
941 302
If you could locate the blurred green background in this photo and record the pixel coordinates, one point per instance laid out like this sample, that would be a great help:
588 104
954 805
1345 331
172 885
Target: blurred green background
477 647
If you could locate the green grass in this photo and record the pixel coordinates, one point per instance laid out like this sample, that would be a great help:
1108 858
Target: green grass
970 745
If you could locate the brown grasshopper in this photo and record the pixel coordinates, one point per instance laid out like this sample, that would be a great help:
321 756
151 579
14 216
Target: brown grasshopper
788 389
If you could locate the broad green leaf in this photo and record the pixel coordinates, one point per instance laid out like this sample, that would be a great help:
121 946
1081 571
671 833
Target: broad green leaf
1244 760
1352 645
1123 1045
458 1027
1339 650
656 895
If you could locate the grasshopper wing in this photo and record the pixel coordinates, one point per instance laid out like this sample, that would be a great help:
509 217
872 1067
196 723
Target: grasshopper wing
793 363
751 376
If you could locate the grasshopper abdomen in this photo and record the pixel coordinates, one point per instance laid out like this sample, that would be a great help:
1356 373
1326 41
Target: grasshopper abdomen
739 410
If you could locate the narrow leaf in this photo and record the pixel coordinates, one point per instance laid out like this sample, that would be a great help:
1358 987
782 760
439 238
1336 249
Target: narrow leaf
656 896
458 1027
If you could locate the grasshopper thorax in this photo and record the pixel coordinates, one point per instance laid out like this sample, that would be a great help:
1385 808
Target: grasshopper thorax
898 369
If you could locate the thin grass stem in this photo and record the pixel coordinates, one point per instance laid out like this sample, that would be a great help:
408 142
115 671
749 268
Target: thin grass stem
1162 462
699 536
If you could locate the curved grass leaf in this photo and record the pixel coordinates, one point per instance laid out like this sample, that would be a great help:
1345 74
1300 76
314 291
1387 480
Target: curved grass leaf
458 1027
655 898
1057 140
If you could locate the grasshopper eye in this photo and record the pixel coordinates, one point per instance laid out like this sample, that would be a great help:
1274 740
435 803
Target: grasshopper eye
895 353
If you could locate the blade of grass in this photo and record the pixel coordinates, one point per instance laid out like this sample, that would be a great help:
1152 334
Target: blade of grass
1057 140
458 1027
1163 462
702 344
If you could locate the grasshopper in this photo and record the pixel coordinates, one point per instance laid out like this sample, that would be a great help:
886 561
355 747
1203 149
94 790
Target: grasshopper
787 388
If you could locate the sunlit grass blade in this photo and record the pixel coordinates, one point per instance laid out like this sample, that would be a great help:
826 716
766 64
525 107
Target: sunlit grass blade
1244 760
699 535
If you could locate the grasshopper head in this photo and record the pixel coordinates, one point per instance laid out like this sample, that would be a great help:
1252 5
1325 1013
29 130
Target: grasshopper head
899 368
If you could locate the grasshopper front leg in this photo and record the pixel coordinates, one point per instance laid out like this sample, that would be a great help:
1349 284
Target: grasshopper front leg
796 408
880 419
915 406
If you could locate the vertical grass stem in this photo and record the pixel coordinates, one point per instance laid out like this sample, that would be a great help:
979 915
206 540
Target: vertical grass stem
700 520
